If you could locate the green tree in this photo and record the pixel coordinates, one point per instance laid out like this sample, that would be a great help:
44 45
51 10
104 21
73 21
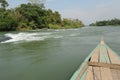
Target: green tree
7 21
4 4
40 3
33 16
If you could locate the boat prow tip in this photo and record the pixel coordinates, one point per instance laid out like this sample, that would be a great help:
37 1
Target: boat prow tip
102 41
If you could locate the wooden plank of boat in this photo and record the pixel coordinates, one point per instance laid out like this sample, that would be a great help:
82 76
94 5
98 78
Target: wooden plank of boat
104 55
102 64
82 72
89 75
113 57
97 74
115 74
118 71
106 74
95 57
112 66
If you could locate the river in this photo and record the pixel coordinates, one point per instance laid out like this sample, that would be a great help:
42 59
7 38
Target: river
51 54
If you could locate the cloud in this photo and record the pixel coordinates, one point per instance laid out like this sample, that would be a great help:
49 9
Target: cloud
100 12
108 11
49 0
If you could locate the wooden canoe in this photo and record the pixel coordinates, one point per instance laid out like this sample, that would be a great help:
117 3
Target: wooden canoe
102 64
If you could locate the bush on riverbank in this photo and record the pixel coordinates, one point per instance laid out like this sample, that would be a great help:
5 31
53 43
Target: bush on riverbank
72 23
112 22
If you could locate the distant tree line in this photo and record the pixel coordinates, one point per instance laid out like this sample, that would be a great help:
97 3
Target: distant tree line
33 16
112 22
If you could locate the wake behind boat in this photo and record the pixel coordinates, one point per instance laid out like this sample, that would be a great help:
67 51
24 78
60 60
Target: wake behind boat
101 64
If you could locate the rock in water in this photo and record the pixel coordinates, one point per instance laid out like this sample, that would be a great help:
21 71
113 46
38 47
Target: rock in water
5 39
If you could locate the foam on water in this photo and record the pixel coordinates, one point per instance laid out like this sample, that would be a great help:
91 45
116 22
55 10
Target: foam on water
58 36
26 36
74 34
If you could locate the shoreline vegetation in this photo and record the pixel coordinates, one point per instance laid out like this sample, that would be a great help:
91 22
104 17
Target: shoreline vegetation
32 16
112 22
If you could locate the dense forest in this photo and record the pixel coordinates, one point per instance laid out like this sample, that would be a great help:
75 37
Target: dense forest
112 22
31 16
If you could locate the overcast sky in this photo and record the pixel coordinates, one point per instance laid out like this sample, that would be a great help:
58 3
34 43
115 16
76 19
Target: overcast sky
86 10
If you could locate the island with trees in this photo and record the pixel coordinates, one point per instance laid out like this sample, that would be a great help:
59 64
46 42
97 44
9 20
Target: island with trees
112 22
32 16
